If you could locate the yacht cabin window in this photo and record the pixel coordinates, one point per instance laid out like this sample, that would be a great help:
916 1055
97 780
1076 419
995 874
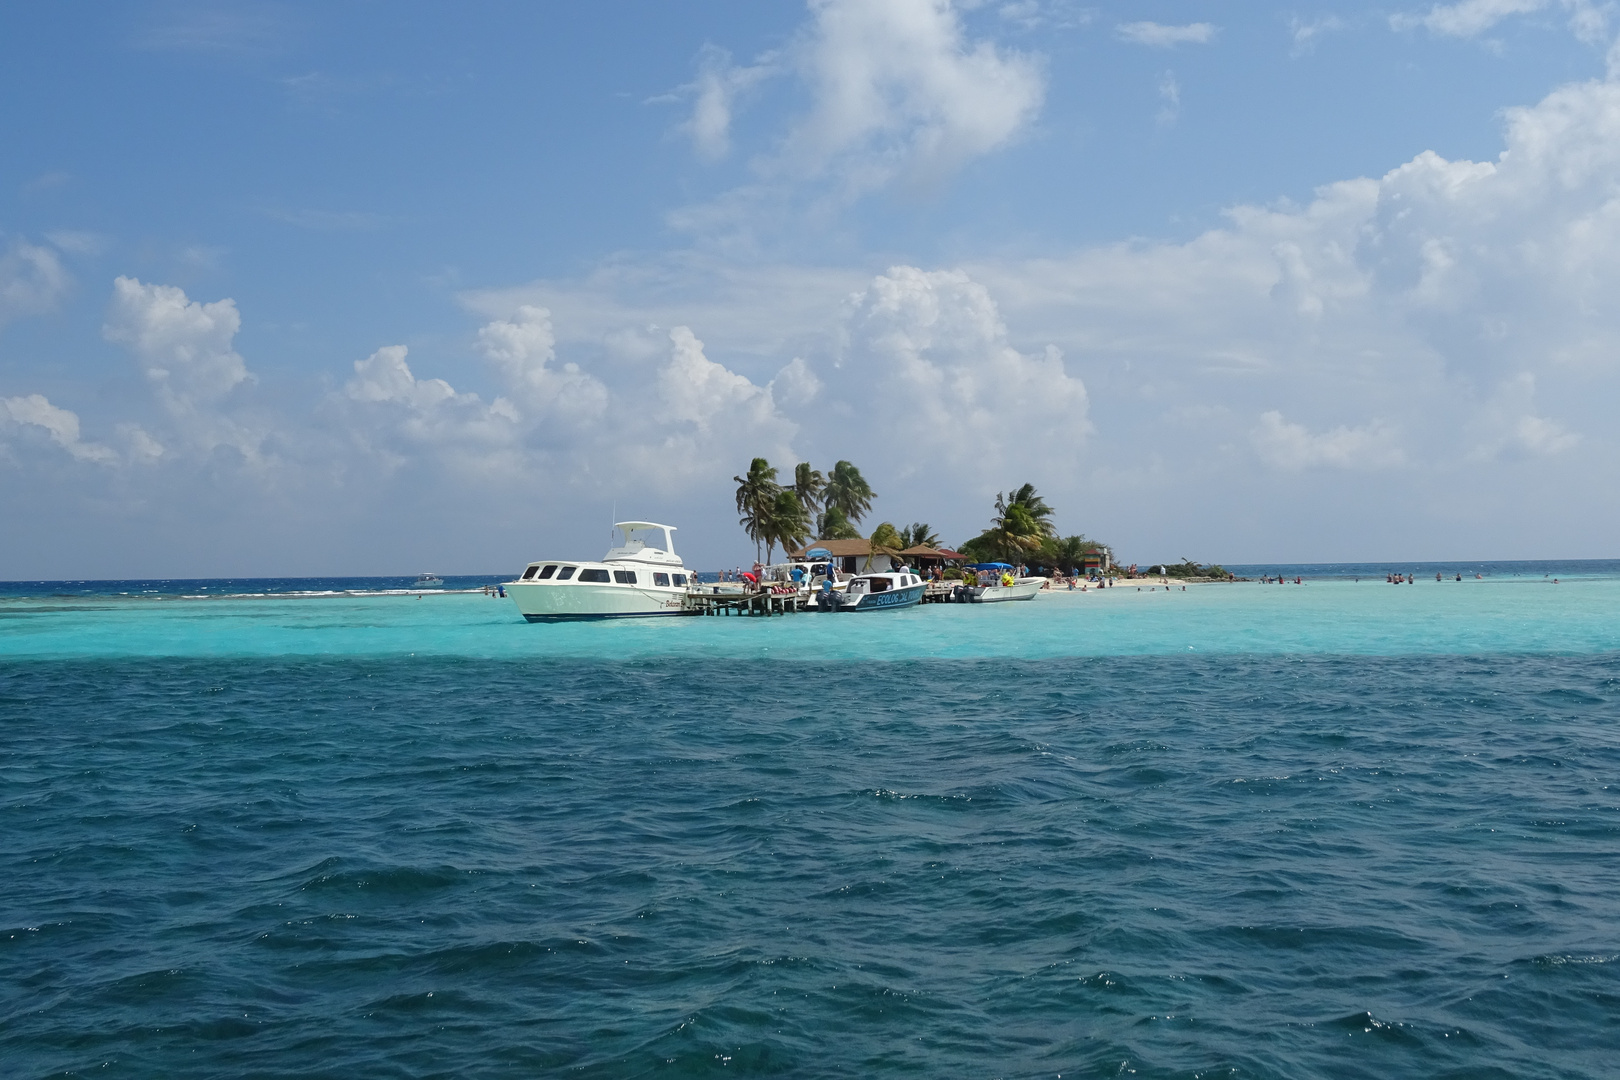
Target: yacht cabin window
625 577
660 579
565 573
680 579
547 572
529 573
589 574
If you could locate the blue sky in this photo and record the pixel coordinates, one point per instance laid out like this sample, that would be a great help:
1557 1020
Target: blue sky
370 288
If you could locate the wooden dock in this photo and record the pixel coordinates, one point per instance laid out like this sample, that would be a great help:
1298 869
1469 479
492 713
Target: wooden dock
749 603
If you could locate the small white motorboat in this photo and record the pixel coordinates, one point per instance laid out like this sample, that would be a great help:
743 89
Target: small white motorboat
428 581
997 585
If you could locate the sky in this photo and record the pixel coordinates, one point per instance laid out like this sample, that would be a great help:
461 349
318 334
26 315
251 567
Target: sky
367 288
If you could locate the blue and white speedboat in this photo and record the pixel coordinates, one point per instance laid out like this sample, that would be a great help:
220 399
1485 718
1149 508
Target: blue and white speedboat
874 592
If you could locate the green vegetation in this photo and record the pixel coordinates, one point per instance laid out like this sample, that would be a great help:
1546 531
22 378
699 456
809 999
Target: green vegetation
830 507
769 513
756 498
833 525
918 534
809 485
848 492
814 507
886 538
1022 532
789 524
1021 528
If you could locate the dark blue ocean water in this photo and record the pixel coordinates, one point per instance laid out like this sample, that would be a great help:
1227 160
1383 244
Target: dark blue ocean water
1153 866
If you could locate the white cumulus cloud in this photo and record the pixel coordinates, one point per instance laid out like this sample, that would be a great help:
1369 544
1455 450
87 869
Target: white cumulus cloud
185 346
61 425
703 416
898 95
384 376
524 349
930 379
403 420
896 81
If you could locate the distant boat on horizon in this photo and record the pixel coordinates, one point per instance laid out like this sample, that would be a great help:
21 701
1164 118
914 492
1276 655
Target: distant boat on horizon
428 581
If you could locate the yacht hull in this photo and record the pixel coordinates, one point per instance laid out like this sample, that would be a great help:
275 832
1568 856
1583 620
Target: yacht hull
569 601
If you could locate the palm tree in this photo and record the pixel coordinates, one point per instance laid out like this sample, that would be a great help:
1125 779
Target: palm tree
1033 506
1068 553
833 525
885 540
1022 525
808 485
848 490
1017 532
756 497
788 523
918 534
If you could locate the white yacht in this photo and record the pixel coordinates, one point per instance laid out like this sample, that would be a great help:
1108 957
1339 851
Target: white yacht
428 581
641 576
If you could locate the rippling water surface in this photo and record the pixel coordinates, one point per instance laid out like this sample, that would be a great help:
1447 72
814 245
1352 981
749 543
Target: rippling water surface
1352 831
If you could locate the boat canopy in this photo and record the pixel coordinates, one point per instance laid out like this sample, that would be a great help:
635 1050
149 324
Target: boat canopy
818 553
655 540
989 566
631 527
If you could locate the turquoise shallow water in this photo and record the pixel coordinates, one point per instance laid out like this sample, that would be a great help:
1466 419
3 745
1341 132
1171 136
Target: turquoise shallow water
1336 829
1333 616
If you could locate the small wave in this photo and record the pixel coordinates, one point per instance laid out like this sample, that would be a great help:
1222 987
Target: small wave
391 880
1367 1024
1559 960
